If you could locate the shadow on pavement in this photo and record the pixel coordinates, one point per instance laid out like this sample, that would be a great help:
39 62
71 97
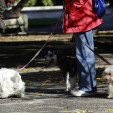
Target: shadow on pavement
17 54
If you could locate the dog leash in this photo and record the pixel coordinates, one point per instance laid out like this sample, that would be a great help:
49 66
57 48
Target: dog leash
37 53
102 58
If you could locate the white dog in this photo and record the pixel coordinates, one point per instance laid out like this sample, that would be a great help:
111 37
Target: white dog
11 83
107 75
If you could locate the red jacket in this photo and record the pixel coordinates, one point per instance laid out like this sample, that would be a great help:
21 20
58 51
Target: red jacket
79 16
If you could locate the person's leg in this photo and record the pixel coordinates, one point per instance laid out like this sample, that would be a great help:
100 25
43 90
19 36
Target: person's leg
86 61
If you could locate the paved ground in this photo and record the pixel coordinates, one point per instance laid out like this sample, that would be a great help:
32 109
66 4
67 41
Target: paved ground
45 89
45 96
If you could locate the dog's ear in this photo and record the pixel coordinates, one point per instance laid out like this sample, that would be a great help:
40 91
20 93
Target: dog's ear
50 53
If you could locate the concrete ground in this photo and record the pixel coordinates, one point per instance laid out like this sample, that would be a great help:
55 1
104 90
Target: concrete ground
45 88
45 95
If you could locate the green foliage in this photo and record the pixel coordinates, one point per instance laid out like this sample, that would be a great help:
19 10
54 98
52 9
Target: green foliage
42 2
31 3
47 2
17 0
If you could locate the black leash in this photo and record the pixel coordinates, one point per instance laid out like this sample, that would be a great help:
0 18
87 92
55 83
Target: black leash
102 58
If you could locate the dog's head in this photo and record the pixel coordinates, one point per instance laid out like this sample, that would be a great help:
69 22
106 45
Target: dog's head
107 74
51 58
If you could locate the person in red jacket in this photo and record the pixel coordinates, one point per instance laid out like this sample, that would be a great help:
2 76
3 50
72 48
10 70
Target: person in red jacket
80 19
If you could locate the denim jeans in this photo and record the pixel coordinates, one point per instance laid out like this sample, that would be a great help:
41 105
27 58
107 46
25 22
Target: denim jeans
85 61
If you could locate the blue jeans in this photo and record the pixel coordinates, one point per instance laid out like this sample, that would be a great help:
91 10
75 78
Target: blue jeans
85 61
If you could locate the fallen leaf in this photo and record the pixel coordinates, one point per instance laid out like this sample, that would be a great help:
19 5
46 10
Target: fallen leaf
12 98
90 111
99 78
43 84
39 94
76 112
101 83
66 107
83 111
30 103
110 109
